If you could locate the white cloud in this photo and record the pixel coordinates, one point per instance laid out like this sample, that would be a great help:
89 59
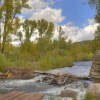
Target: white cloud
36 5
80 34
40 9
49 14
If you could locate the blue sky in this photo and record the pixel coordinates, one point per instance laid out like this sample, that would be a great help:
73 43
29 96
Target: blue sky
63 12
76 11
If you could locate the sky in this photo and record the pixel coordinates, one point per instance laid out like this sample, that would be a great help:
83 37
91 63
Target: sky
75 16
76 11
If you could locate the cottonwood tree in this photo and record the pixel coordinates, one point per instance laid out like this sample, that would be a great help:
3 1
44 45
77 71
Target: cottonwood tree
97 33
8 13
96 3
29 28
97 38
62 39
45 29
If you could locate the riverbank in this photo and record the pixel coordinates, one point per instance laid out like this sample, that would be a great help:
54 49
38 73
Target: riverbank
79 69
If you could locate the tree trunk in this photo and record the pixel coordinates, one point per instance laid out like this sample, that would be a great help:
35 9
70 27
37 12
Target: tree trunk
4 38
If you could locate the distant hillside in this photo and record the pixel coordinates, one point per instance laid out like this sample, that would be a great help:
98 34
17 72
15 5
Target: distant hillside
84 42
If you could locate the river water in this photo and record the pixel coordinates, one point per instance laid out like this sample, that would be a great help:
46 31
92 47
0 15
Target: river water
79 69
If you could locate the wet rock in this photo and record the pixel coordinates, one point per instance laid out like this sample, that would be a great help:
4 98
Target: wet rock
68 93
59 80
94 88
51 80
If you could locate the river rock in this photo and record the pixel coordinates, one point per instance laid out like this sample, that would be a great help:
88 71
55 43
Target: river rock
2 75
68 93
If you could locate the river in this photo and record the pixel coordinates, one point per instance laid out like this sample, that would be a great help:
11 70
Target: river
79 69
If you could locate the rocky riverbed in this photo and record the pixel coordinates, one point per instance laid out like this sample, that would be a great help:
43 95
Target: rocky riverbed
59 83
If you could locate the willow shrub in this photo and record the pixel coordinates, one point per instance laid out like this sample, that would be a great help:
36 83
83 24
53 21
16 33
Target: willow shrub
3 62
83 56
55 61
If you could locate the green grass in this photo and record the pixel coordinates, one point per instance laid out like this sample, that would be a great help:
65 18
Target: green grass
3 62
90 96
50 60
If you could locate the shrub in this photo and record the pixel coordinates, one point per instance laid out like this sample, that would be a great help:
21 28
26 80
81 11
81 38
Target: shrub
55 61
3 62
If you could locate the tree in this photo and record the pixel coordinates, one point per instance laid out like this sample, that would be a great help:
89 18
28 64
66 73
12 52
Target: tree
29 27
92 2
96 3
97 39
97 33
0 24
62 39
45 29
8 12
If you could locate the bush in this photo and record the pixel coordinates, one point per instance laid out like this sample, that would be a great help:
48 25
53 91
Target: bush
83 56
55 61
3 62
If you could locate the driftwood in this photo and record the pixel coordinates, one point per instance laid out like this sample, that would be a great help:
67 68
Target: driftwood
61 80
68 94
